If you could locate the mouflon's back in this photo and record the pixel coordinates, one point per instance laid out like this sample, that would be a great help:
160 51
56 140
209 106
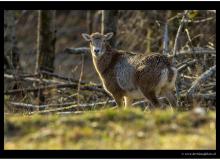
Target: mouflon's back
155 72
152 72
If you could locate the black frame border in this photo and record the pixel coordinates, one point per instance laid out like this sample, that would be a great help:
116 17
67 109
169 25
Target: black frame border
134 5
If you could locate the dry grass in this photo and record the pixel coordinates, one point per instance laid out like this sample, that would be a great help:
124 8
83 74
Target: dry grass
112 129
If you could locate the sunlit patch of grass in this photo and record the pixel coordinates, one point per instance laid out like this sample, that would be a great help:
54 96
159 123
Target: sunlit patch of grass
163 117
111 129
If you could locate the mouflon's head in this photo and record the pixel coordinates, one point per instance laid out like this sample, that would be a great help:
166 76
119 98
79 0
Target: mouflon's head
97 42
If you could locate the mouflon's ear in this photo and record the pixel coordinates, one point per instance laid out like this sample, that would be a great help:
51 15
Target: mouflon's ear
86 36
109 35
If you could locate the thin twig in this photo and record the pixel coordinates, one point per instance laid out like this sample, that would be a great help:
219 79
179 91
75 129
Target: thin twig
199 21
178 33
181 68
196 51
189 38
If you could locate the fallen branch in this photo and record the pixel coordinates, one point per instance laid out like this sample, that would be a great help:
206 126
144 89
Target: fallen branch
200 80
197 51
181 68
69 106
34 107
77 107
56 84
28 106
58 76
210 84
206 89
199 21
66 78
188 77
29 79
194 51
69 85
77 51
182 63
26 75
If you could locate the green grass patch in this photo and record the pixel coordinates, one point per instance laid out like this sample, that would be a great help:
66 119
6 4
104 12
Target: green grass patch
111 129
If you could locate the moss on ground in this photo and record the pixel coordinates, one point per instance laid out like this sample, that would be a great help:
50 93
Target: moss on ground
112 129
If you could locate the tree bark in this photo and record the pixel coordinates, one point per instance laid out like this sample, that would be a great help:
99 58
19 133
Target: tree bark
10 42
45 41
45 45
109 24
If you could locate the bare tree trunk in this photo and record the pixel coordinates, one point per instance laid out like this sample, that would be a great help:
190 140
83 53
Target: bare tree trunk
109 23
165 39
97 18
45 45
45 41
11 54
89 20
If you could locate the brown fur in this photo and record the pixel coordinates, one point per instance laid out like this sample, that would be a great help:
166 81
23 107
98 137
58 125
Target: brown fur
146 77
104 68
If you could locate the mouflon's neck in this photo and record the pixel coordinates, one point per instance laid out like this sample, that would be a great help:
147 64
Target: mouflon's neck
104 62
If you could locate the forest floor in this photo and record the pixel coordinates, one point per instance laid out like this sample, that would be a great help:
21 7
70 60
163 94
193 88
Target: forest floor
112 129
